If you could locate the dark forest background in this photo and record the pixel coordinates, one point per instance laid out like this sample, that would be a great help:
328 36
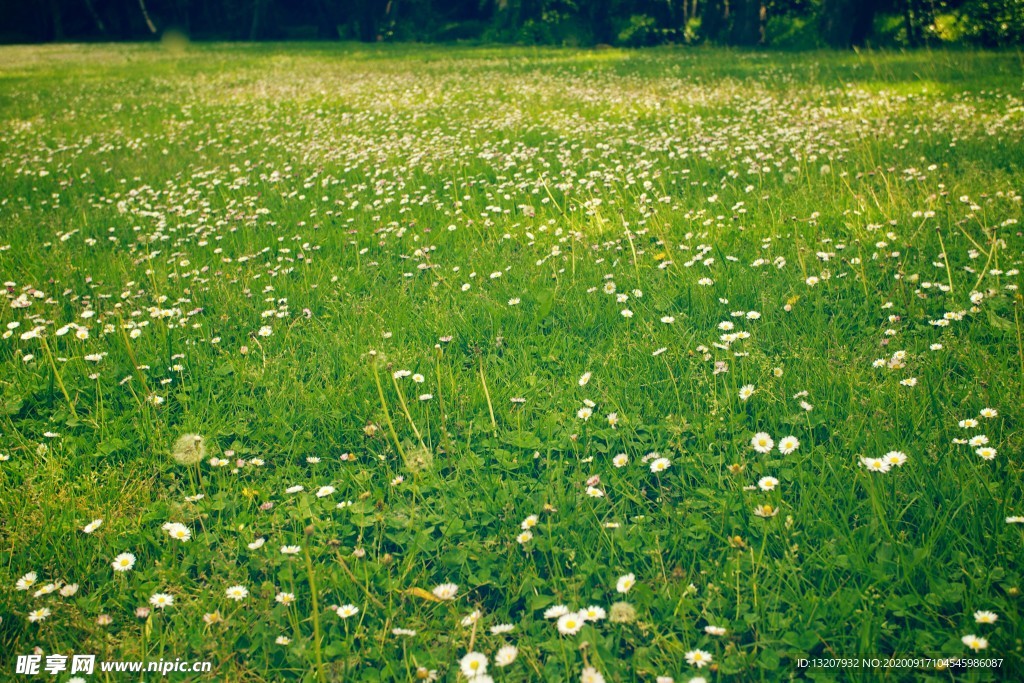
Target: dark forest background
781 23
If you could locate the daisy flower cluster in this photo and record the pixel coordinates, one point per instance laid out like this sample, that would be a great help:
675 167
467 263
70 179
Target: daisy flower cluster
499 365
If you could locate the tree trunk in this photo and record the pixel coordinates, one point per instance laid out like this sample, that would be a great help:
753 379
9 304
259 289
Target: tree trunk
96 19
847 23
746 22
121 18
762 23
367 18
508 14
863 23
183 16
56 21
394 10
145 15
713 19
600 21
913 22
259 8
326 21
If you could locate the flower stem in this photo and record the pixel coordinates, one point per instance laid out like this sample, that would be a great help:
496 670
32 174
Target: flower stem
405 409
311 575
387 413
56 376
487 394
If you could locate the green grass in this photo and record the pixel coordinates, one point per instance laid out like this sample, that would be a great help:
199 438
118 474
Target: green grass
359 202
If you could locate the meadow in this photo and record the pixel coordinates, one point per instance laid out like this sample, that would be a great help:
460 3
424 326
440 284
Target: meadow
339 363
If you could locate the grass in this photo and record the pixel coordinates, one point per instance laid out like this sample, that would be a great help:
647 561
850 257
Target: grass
386 270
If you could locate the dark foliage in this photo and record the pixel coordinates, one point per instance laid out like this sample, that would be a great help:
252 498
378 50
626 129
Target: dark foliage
790 23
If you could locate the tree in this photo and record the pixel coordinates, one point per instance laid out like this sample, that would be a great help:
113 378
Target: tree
599 19
748 18
714 19
367 16
847 23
